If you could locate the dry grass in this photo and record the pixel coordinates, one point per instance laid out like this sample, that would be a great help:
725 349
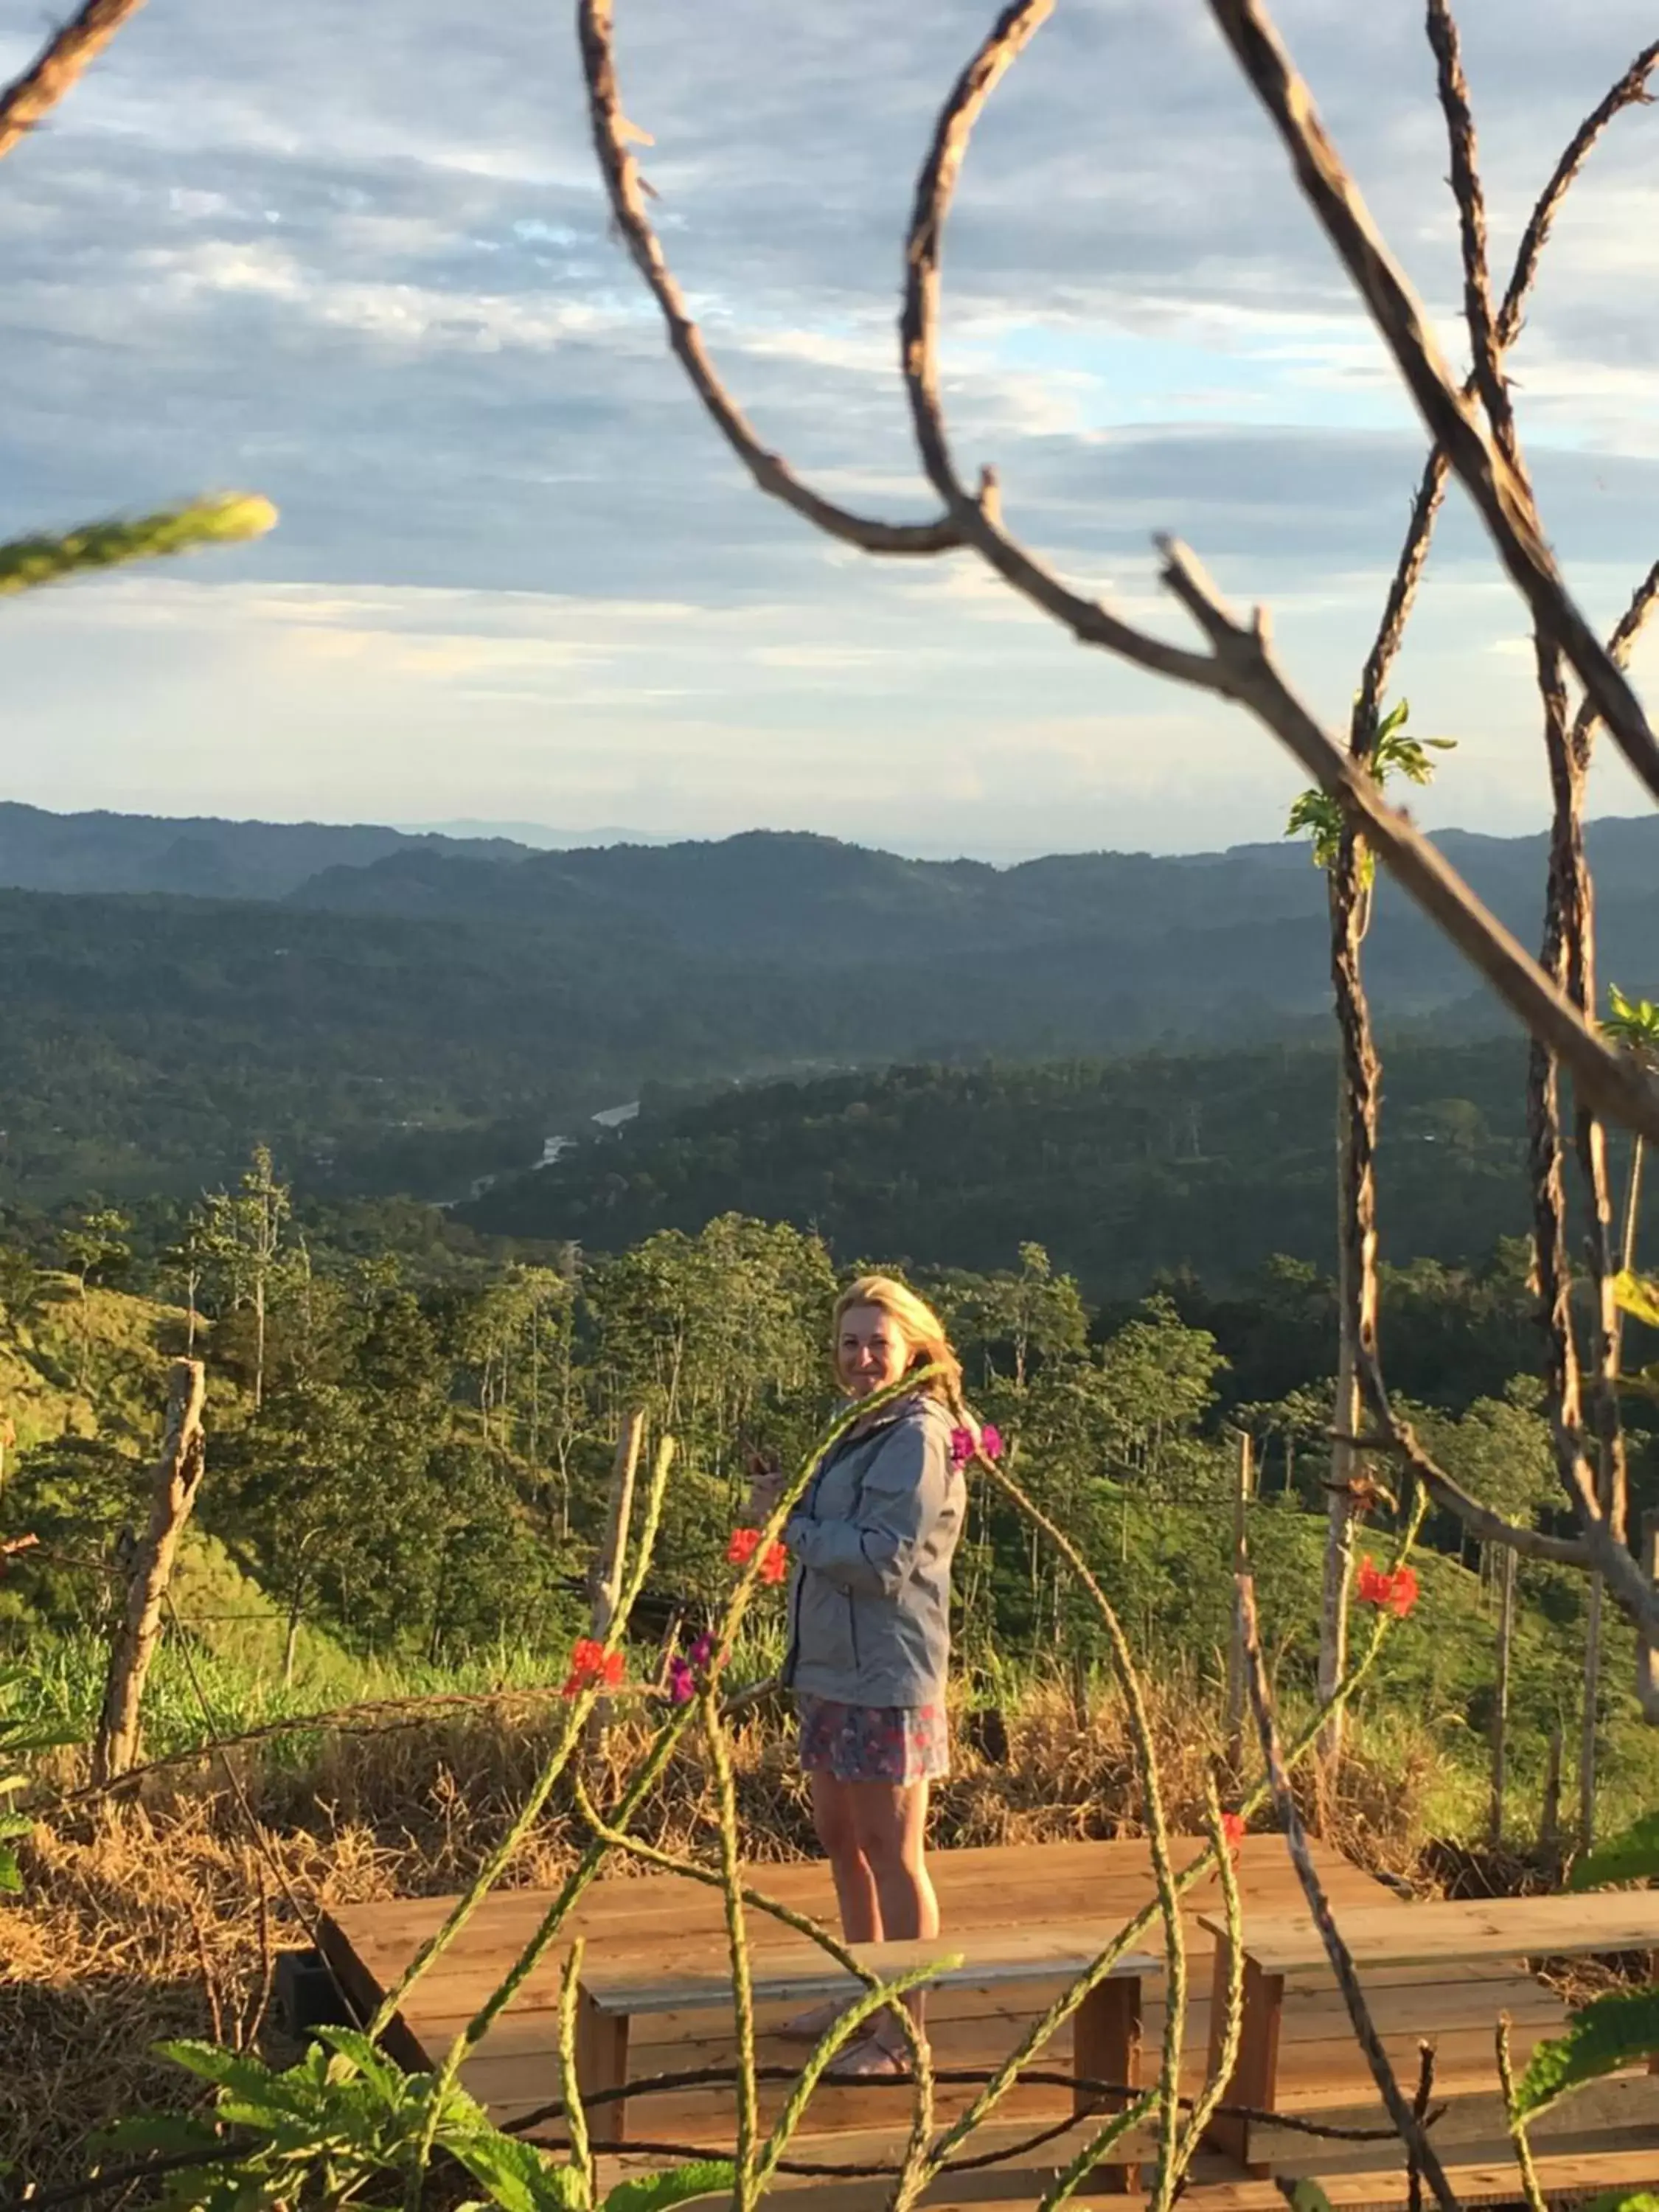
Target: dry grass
164 1918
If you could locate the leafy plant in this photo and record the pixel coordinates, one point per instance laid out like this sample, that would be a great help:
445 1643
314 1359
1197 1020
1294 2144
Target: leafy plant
1315 814
18 1740
345 2116
1612 2031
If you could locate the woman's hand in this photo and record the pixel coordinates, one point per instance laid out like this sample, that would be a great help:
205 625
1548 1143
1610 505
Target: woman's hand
765 1485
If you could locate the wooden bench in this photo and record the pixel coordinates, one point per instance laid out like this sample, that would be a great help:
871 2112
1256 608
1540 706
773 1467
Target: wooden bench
1106 2027
1418 1935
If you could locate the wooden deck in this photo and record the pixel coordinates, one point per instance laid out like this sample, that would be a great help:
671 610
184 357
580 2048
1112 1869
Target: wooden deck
1607 2138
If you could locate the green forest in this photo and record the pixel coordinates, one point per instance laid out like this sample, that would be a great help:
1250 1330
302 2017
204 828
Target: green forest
414 1023
473 1388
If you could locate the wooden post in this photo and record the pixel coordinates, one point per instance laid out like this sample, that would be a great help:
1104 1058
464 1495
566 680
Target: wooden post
1255 2078
178 1479
1106 2047
606 1580
602 2064
1501 1696
1647 1658
1241 1490
1587 1718
1549 1820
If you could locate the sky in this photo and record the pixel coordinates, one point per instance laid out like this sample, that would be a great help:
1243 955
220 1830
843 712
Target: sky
355 258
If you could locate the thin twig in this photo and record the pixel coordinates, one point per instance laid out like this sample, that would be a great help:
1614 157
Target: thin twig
1208 2101
1411 2129
1420 2107
1513 2120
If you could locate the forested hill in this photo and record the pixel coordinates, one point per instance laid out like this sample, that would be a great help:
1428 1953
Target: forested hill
200 856
430 1013
1121 1169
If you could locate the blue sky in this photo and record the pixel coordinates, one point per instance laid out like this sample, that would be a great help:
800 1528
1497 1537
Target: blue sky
356 259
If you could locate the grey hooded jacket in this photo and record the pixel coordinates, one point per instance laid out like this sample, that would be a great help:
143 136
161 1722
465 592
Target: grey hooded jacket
871 1541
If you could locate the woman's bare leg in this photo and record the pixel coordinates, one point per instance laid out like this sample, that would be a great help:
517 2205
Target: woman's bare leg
889 1821
855 1891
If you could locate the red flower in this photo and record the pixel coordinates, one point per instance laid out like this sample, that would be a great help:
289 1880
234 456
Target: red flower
1232 1828
743 1546
1397 1591
593 1668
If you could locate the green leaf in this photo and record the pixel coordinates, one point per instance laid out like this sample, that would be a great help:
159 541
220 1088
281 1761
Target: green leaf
174 2132
1615 2200
389 2083
1631 1857
519 2177
11 1876
1303 2195
1637 1296
708 2177
1611 2031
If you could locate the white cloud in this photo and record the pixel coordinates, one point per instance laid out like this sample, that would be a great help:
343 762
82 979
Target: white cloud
371 275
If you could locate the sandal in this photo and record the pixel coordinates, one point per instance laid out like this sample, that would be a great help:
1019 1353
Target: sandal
812 2026
868 2059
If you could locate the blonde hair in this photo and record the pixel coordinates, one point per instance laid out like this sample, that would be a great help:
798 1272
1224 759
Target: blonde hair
922 1330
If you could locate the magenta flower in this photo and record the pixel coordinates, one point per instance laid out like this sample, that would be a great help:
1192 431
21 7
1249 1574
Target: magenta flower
702 1650
682 1682
965 1445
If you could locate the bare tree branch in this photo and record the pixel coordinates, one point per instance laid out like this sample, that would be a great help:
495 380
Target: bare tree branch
1500 493
1484 346
979 521
1239 666
56 69
1612 1079
1630 90
771 472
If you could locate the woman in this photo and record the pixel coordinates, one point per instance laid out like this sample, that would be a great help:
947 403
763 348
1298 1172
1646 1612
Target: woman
870 1630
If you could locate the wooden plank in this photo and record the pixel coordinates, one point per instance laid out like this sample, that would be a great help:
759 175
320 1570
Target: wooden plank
985 1958
1505 1927
989 1883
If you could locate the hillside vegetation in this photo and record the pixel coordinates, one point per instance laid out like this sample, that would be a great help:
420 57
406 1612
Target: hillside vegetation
1124 1170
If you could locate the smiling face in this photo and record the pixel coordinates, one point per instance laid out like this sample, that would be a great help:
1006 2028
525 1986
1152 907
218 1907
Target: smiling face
872 1351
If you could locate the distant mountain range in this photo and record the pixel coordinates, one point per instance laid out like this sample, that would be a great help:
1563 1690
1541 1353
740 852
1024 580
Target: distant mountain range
411 1012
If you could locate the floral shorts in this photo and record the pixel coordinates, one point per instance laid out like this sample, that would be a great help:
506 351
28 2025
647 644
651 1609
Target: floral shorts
873 1743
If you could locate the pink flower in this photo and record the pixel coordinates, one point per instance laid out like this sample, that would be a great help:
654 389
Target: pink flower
682 1683
965 1445
702 1650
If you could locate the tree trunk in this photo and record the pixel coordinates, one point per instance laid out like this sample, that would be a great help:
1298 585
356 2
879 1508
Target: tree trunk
1549 1819
178 1479
1586 1724
1501 1699
1356 1250
1632 1207
1241 1489
1647 1659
